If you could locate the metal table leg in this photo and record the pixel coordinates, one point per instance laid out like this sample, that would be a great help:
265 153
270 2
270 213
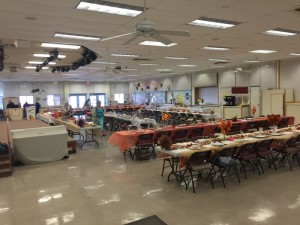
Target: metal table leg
86 139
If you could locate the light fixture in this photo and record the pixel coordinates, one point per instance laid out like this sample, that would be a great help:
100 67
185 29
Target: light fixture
215 48
39 62
261 51
213 23
54 45
187 65
156 44
219 60
175 57
132 75
148 64
124 55
110 7
129 69
216 66
251 61
45 55
164 70
77 37
281 32
295 53
33 67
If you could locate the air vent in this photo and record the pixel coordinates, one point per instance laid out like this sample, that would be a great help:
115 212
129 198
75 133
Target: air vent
297 9
222 63
13 69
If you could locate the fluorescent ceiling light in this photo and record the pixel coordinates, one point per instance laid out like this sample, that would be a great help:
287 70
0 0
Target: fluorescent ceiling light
213 23
261 51
216 66
164 70
53 45
252 61
148 64
44 55
281 32
219 60
77 37
69 74
106 63
187 65
175 57
132 75
33 67
39 62
129 69
295 53
110 7
156 43
124 55
216 48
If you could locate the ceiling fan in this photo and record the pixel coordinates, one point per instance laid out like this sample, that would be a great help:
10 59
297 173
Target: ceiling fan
146 28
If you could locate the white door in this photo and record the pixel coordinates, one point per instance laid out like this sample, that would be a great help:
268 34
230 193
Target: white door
255 100
277 104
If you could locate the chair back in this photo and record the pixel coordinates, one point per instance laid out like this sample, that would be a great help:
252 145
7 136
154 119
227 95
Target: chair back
265 144
225 156
235 129
199 158
247 149
144 139
196 133
283 122
291 142
251 125
180 135
227 152
162 133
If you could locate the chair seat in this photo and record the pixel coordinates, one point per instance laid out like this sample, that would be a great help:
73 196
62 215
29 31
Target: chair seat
263 153
292 150
248 156
200 167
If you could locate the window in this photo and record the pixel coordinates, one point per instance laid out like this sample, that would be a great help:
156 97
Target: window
77 100
119 98
53 100
97 97
28 99
1 102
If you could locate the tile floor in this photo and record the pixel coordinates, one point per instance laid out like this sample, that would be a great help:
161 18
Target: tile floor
97 186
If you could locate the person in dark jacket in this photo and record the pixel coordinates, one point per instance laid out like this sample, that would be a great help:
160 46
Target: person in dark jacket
37 106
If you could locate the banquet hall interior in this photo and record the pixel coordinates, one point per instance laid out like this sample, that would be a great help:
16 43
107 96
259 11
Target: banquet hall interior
149 112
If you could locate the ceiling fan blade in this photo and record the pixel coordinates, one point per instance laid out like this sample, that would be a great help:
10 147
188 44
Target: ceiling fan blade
118 36
161 39
174 32
132 39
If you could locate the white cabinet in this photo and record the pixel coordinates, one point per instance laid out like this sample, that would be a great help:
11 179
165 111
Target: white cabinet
273 101
240 111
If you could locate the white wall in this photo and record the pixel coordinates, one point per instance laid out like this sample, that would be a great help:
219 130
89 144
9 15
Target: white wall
182 82
290 76
204 80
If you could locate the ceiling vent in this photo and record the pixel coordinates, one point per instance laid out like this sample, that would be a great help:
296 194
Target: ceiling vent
222 63
13 69
297 9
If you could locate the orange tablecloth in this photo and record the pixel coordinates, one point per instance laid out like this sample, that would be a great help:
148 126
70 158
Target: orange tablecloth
127 139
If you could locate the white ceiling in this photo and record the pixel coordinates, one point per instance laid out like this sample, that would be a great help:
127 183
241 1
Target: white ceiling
255 17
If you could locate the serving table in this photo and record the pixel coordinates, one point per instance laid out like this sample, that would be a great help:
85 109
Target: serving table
89 131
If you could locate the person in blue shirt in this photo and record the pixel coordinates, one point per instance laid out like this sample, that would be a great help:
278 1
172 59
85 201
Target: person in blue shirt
98 116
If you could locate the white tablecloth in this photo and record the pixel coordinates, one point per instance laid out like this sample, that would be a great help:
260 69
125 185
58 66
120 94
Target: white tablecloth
39 145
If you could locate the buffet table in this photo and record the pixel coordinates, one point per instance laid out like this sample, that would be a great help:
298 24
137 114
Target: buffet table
87 132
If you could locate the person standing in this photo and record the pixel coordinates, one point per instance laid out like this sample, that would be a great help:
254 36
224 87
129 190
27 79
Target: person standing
87 104
67 110
98 116
37 106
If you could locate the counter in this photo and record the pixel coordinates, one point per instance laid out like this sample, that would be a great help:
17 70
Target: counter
240 111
